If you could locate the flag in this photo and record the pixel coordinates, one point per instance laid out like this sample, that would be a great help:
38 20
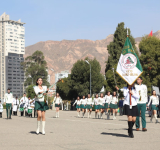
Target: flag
129 67
150 34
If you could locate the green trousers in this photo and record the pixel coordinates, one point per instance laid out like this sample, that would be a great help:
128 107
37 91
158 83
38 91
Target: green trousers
142 108
8 105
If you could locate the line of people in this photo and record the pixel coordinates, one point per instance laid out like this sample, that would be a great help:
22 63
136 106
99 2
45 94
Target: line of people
13 105
101 105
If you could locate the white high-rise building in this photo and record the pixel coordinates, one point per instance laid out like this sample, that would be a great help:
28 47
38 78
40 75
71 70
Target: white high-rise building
12 48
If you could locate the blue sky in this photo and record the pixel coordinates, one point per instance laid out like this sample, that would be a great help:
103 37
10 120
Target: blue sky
82 19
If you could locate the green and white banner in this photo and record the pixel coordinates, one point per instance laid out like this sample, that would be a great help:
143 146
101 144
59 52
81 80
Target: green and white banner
129 67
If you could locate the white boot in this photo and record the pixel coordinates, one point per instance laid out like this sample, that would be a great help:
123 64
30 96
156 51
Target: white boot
114 116
77 113
43 127
95 114
101 115
58 114
38 126
98 115
151 118
89 114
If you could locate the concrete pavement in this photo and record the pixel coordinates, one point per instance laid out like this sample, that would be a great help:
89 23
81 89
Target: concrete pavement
71 133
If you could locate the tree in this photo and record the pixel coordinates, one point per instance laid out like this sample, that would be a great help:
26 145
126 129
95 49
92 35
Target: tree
150 60
35 66
114 50
80 77
30 92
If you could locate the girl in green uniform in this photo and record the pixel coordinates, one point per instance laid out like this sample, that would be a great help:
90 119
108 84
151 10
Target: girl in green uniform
89 105
40 104
113 104
57 101
78 106
155 102
83 105
96 106
101 104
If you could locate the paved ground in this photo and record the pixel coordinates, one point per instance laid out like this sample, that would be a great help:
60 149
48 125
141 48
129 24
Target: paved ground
71 133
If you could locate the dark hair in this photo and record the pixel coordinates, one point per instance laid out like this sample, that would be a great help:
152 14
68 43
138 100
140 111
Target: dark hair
129 85
140 78
113 93
108 92
24 93
37 80
153 91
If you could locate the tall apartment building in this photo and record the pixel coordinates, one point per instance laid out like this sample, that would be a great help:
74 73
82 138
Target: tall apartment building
12 48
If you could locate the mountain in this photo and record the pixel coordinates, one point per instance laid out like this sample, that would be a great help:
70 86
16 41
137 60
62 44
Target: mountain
61 55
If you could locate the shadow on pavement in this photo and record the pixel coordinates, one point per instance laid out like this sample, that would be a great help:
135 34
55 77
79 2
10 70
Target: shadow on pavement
34 132
115 134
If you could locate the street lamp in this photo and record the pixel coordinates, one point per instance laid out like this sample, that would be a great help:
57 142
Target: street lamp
90 74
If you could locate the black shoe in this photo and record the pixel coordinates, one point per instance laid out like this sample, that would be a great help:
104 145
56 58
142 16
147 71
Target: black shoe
131 135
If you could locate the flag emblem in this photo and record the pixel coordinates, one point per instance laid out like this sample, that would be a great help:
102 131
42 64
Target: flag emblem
129 61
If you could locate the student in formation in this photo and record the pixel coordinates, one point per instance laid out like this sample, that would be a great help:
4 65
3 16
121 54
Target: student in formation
83 103
89 105
108 98
23 102
57 101
96 105
141 104
1 109
40 104
32 105
131 97
15 105
101 105
8 100
113 104
154 107
78 106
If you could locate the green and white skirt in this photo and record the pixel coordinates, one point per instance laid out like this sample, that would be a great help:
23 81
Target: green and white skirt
153 107
56 105
41 106
101 107
106 105
83 106
96 106
77 106
89 106
113 106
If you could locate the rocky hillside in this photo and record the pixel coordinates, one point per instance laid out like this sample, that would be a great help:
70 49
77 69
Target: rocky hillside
61 55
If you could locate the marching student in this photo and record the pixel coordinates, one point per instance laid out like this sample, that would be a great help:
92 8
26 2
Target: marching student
23 102
113 104
15 105
8 100
101 104
96 105
89 105
78 106
1 109
40 104
108 98
155 103
142 104
83 105
57 101
131 97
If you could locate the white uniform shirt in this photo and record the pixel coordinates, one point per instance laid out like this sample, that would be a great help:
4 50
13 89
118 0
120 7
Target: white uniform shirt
57 100
78 102
134 97
114 100
96 101
101 101
89 101
8 98
15 101
1 107
24 100
142 91
108 99
83 101
154 99
37 90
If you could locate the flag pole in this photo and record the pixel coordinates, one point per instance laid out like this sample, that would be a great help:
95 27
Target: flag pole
129 88
114 77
